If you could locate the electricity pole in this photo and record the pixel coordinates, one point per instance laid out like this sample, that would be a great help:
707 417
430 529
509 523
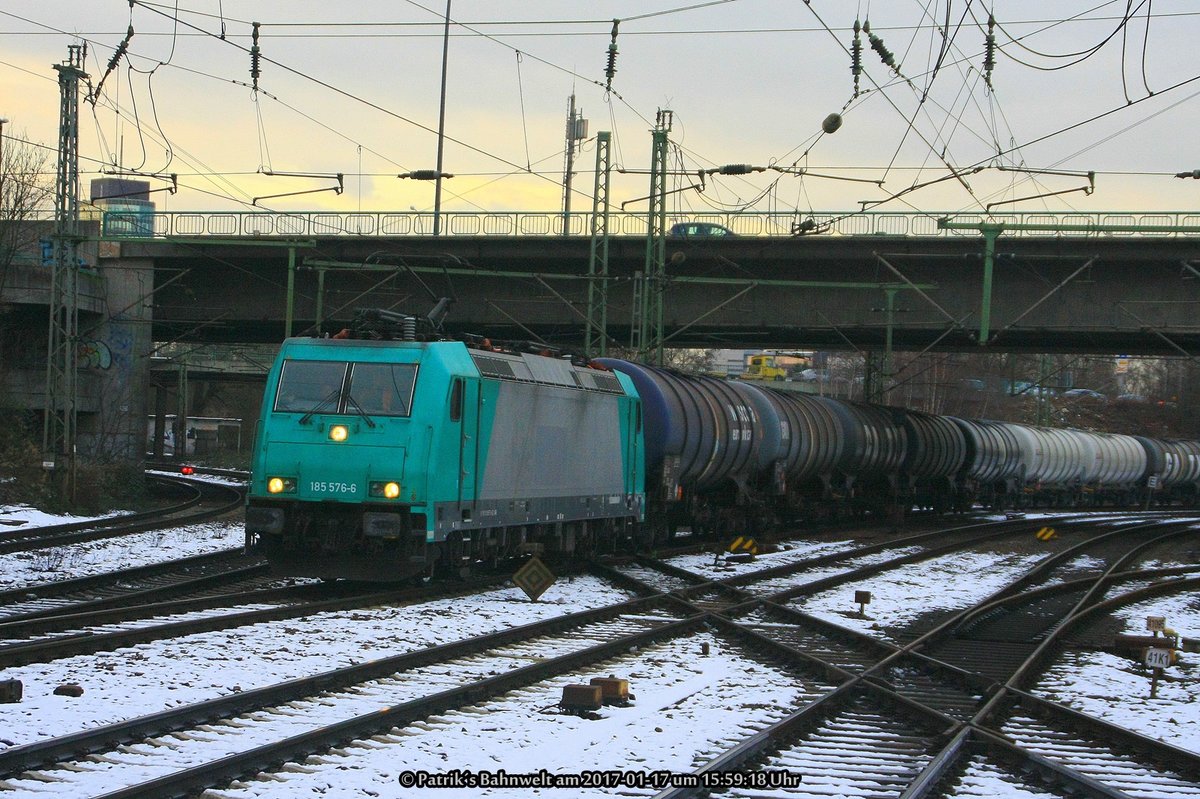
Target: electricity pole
59 429
595 339
650 284
441 142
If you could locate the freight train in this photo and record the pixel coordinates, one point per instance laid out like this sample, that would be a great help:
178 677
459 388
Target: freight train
383 455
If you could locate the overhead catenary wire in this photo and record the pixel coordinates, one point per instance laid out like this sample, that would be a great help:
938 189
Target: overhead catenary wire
934 139
352 96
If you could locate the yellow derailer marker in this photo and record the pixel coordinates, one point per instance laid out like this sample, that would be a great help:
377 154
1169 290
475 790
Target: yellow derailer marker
744 543
1045 534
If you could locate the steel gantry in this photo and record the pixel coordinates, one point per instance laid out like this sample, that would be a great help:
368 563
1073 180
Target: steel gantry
992 231
595 335
62 390
651 283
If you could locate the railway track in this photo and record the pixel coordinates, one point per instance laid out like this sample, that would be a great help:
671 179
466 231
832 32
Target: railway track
431 680
201 501
865 716
866 742
62 636
130 586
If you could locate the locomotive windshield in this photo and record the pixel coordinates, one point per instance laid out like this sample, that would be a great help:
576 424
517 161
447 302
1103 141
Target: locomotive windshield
372 389
382 389
306 386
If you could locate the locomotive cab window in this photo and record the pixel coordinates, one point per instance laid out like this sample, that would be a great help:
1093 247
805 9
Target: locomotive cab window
382 389
310 386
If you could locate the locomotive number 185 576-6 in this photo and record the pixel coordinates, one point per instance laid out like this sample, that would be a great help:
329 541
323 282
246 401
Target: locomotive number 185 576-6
332 487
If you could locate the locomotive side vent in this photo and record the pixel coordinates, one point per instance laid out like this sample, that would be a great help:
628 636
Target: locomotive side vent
607 382
493 367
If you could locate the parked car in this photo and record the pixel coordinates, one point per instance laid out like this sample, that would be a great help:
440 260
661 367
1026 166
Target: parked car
810 375
1023 388
1085 394
699 230
1134 398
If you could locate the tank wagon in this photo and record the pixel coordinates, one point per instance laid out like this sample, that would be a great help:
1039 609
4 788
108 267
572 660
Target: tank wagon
733 455
381 456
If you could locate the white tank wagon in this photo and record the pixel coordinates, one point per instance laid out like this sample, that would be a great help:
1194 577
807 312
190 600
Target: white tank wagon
1121 463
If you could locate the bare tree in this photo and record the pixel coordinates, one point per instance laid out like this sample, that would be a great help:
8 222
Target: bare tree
26 195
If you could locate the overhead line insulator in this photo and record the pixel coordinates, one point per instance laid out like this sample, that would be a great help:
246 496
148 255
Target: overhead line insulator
255 57
856 56
122 49
611 69
989 52
885 55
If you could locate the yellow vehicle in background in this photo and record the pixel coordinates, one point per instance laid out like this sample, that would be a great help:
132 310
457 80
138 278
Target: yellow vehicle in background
775 366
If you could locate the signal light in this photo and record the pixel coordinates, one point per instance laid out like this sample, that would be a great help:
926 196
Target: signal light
338 432
186 470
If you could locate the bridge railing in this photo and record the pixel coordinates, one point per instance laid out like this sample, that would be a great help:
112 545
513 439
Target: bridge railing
316 224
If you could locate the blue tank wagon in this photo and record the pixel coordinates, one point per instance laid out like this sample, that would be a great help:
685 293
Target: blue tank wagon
383 459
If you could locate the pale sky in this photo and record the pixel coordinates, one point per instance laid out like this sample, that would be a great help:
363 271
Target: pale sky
353 87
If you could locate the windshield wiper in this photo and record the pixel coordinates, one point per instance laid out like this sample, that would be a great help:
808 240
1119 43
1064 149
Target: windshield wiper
353 402
306 418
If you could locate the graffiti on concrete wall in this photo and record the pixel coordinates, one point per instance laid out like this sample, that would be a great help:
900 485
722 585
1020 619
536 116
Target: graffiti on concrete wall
93 354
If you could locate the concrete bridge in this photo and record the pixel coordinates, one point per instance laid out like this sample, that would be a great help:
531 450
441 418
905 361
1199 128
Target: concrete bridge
1124 283
191 286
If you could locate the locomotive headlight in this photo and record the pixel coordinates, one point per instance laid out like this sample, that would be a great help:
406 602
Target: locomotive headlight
338 432
281 485
387 490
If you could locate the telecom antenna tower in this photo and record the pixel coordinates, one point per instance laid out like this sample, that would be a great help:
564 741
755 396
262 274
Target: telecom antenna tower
577 128
59 429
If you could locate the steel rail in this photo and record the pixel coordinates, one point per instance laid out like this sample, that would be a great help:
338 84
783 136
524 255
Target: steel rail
967 734
47 649
194 497
60 587
113 527
39 754
110 608
202 777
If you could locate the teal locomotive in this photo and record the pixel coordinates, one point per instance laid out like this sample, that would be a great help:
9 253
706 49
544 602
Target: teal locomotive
381 457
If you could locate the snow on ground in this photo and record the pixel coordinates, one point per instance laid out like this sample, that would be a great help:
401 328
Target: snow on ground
901 595
777 584
206 478
687 709
146 678
796 550
985 779
15 517
684 700
1116 688
20 569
